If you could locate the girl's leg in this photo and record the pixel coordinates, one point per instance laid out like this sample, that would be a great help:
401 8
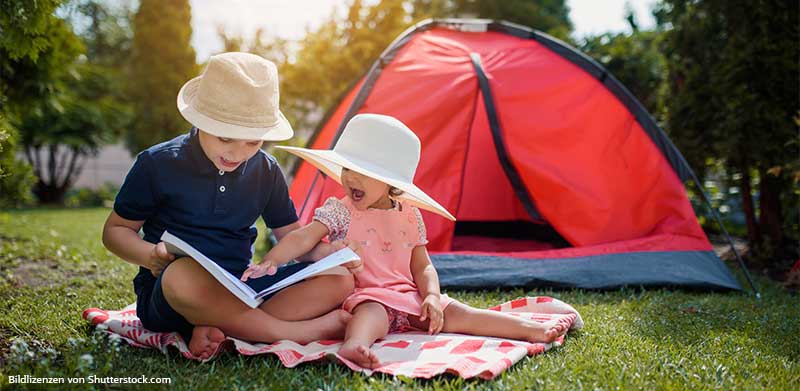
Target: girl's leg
311 298
369 323
461 318
196 295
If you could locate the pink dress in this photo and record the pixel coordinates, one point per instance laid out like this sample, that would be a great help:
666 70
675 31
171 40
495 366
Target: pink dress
387 237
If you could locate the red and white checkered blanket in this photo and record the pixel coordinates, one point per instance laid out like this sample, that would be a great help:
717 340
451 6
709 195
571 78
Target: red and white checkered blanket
412 354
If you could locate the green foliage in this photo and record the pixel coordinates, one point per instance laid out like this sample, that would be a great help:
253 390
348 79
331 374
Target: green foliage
34 44
162 60
31 67
86 197
69 100
732 95
53 266
84 114
24 26
331 58
16 176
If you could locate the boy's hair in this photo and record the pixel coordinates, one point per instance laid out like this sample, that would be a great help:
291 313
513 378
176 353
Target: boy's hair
394 192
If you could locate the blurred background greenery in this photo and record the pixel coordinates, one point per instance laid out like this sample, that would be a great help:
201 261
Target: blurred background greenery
720 77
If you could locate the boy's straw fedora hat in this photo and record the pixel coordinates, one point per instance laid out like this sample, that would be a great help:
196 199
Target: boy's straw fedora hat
236 97
380 147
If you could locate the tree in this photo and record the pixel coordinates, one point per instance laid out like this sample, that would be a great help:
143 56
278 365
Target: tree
35 45
84 108
162 60
733 77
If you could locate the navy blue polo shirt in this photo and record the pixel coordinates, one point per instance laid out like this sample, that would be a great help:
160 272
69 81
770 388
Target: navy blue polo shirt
173 186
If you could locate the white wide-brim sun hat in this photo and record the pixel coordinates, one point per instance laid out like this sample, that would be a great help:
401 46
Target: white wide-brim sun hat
380 147
236 97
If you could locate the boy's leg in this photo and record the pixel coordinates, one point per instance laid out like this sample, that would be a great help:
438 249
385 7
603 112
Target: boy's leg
463 319
369 323
198 297
310 298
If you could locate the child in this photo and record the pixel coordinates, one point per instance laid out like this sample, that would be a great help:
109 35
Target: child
208 187
375 160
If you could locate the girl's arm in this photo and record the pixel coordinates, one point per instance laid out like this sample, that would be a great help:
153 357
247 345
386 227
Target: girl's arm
292 245
424 273
427 281
321 250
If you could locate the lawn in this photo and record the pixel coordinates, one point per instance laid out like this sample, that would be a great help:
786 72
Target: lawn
53 266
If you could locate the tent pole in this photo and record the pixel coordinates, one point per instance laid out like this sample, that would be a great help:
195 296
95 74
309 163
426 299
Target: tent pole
727 235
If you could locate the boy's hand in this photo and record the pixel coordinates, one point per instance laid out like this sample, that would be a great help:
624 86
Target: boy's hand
260 270
432 309
159 259
352 266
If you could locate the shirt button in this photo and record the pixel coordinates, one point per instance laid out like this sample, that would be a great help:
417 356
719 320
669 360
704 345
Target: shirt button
222 189
221 172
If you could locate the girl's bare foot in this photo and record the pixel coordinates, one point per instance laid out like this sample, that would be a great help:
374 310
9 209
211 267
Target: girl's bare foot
205 341
360 355
547 332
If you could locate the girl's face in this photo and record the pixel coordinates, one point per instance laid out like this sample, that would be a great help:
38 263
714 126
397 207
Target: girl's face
226 153
364 191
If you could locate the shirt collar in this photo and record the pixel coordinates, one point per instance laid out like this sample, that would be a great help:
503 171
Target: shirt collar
202 163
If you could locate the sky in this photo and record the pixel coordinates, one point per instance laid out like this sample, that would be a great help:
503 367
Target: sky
290 18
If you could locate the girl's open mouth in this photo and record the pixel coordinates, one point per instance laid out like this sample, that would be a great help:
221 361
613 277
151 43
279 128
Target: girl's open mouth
356 194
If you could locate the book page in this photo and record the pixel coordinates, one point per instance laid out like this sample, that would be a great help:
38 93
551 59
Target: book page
342 256
180 248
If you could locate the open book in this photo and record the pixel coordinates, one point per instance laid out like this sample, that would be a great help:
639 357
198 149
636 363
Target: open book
246 294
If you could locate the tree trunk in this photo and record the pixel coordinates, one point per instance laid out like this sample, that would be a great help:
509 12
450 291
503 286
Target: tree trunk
753 232
770 219
52 185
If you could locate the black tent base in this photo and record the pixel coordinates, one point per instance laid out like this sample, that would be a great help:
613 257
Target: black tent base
701 270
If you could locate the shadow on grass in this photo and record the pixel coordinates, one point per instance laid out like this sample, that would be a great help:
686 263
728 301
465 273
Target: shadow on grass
723 323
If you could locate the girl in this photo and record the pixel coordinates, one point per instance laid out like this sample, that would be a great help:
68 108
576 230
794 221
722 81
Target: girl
397 287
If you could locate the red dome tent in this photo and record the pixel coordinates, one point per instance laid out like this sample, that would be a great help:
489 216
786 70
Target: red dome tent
556 173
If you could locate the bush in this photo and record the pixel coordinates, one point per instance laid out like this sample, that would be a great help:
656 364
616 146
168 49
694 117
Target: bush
16 176
85 197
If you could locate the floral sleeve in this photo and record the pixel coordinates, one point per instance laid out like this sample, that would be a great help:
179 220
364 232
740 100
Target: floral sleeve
423 236
334 215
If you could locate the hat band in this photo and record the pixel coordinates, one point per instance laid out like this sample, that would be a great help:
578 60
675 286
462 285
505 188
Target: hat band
251 121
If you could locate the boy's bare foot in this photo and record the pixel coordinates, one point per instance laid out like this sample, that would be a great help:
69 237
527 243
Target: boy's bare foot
548 331
360 355
205 341
329 326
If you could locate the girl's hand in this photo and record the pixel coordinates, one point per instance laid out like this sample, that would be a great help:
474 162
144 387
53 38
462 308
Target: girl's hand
352 266
159 259
432 310
255 271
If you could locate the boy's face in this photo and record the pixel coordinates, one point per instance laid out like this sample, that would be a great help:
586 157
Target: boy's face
227 153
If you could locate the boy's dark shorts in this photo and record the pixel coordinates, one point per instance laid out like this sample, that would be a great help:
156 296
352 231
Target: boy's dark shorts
157 315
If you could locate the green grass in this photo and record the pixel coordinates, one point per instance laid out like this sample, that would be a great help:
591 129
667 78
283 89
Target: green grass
52 266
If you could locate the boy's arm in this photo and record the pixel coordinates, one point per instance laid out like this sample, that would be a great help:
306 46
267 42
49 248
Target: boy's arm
121 237
427 281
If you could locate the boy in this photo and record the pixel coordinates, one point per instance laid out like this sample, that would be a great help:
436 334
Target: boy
208 187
